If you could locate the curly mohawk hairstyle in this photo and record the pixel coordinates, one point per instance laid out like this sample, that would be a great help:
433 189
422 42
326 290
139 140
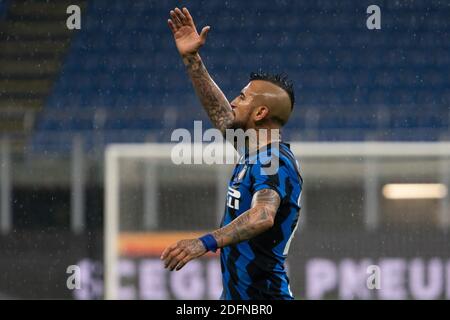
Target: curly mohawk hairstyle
281 80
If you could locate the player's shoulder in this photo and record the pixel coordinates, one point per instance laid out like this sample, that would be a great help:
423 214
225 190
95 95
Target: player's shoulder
277 155
286 153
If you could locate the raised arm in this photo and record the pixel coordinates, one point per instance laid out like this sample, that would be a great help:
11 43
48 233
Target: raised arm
188 43
259 218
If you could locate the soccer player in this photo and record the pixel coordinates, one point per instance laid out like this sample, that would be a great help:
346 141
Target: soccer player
262 208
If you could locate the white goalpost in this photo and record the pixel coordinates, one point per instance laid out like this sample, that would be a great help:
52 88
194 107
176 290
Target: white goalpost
363 161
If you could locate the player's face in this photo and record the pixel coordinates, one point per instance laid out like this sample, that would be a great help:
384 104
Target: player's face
243 106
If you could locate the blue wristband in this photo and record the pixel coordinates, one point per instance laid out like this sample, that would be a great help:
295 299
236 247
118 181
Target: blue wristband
209 242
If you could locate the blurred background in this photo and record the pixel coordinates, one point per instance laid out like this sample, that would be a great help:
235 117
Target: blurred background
370 129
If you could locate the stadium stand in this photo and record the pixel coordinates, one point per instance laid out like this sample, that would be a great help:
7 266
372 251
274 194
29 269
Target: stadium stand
33 41
122 79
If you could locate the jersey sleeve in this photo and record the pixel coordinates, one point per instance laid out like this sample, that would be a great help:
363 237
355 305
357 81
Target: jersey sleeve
267 178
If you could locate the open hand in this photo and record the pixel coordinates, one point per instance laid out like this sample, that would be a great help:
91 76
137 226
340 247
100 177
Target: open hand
187 39
180 253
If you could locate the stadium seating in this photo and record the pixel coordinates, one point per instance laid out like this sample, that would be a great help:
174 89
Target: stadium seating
3 8
123 73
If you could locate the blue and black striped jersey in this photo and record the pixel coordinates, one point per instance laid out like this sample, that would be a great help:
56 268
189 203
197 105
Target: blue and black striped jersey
255 269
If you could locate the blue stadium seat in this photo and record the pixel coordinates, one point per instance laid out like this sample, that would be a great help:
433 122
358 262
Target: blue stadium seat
124 61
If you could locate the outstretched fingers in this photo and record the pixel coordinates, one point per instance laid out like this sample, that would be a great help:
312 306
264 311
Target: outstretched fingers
176 21
172 26
181 17
188 16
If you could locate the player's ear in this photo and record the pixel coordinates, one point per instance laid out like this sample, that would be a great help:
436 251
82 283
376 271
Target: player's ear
261 113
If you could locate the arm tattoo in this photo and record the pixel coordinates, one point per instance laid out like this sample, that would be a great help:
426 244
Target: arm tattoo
251 223
211 97
266 197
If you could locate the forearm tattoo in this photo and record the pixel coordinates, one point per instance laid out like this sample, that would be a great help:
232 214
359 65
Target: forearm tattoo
211 97
253 222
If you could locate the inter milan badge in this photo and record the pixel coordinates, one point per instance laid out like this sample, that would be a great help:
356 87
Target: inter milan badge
242 173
